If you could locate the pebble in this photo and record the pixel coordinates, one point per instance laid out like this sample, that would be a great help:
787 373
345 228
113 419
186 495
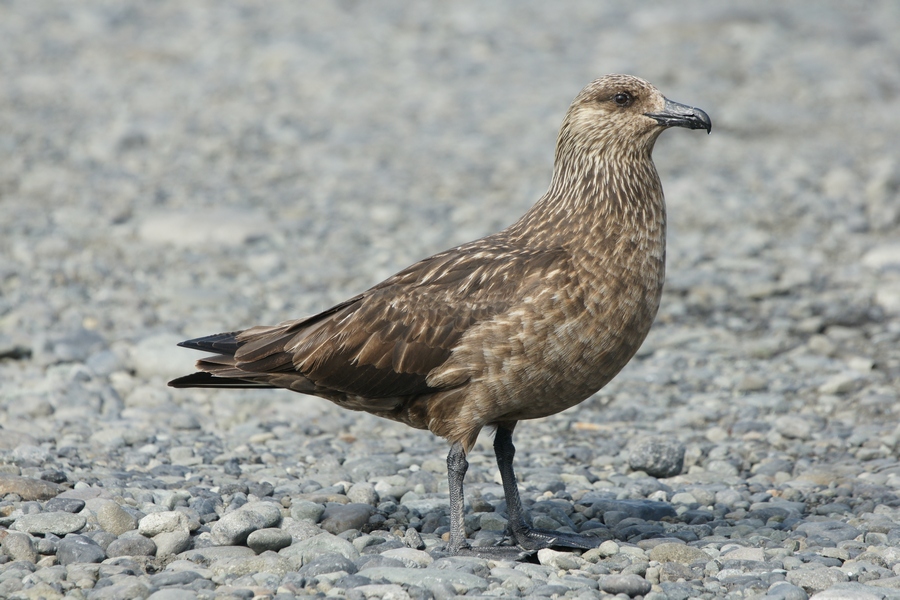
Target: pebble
27 488
114 519
131 545
324 543
304 509
18 546
328 563
461 582
270 538
658 457
79 549
680 553
338 518
630 585
234 527
58 523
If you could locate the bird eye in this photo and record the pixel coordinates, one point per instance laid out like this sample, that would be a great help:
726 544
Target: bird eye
622 99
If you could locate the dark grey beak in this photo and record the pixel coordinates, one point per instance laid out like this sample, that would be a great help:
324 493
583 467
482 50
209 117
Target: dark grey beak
682 115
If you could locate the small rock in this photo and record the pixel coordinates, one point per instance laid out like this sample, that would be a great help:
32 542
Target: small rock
267 562
412 559
173 594
18 546
836 531
161 522
169 543
270 538
362 493
305 551
114 519
131 545
782 590
58 523
70 505
658 457
329 563
679 553
234 527
559 560
304 509
27 488
816 580
338 518
631 585
413 540
79 549
167 578
460 581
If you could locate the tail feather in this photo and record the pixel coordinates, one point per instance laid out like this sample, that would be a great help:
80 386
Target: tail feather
220 343
208 380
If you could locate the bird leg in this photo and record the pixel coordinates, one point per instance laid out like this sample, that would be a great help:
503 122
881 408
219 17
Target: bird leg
527 537
457 465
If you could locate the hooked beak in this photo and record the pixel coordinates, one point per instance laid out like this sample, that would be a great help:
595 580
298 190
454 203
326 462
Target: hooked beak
682 115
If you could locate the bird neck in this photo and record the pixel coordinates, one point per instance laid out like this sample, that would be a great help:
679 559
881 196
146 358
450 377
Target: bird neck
598 194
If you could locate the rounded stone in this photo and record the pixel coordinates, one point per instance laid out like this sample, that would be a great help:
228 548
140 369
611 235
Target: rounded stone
115 519
658 457
630 585
79 549
131 545
304 509
19 546
270 538
162 522
236 526
57 523
338 518
679 553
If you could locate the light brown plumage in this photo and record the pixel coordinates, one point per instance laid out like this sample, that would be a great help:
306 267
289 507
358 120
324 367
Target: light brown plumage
520 324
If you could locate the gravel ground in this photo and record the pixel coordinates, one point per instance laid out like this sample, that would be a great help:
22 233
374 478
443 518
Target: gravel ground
172 169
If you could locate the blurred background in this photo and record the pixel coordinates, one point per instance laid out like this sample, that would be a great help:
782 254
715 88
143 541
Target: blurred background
174 169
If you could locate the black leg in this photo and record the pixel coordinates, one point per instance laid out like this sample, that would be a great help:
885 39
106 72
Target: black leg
525 536
457 465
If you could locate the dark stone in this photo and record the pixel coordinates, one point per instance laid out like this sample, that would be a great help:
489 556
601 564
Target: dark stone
329 563
76 548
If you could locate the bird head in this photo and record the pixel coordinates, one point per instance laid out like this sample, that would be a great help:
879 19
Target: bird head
623 112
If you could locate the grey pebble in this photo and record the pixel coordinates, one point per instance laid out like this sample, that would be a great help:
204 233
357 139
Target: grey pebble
131 545
658 457
304 509
835 531
27 488
19 546
270 538
168 578
426 578
173 594
234 527
630 585
169 543
338 518
782 590
816 579
57 523
412 539
70 505
304 551
328 563
79 549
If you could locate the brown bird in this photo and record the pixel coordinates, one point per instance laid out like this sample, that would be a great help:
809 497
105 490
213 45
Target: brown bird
518 325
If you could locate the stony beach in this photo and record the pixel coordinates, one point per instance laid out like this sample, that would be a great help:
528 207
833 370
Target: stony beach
169 170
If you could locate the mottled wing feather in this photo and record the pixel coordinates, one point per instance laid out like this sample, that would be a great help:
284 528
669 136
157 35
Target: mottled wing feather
384 342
